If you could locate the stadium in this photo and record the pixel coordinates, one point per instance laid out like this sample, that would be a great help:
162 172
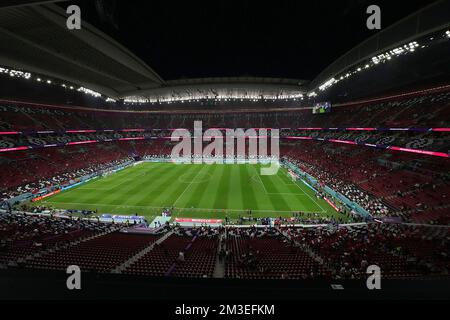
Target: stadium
221 183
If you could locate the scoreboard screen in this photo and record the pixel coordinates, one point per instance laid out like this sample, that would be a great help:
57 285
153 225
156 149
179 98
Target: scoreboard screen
322 107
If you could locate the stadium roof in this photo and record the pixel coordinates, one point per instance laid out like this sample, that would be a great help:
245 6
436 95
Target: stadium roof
238 86
430 19
36 39
243 80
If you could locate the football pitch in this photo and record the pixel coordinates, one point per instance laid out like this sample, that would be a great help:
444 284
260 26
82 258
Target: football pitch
194 191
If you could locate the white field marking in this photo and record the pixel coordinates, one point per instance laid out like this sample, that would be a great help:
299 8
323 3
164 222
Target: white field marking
205 209
112 186
260 180
139 173
285 172
211 210
123 181
187 187
103 181
291 183
304 193
275 193
323 210
100 205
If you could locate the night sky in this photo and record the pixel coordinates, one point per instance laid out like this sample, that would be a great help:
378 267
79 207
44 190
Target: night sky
223 38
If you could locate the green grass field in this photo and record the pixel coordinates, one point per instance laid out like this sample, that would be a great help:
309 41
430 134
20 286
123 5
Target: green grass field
196 191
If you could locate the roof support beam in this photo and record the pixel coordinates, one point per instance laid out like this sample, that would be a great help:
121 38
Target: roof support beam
63 57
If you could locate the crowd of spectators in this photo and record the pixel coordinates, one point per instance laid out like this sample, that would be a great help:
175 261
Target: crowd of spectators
62 179
401 251
373 205
36 231
336 252
407 111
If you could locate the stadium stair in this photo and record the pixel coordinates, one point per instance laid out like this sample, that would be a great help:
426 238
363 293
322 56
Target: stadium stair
140 254
219 269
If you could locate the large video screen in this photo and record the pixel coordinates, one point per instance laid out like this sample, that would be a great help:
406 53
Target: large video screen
322 107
